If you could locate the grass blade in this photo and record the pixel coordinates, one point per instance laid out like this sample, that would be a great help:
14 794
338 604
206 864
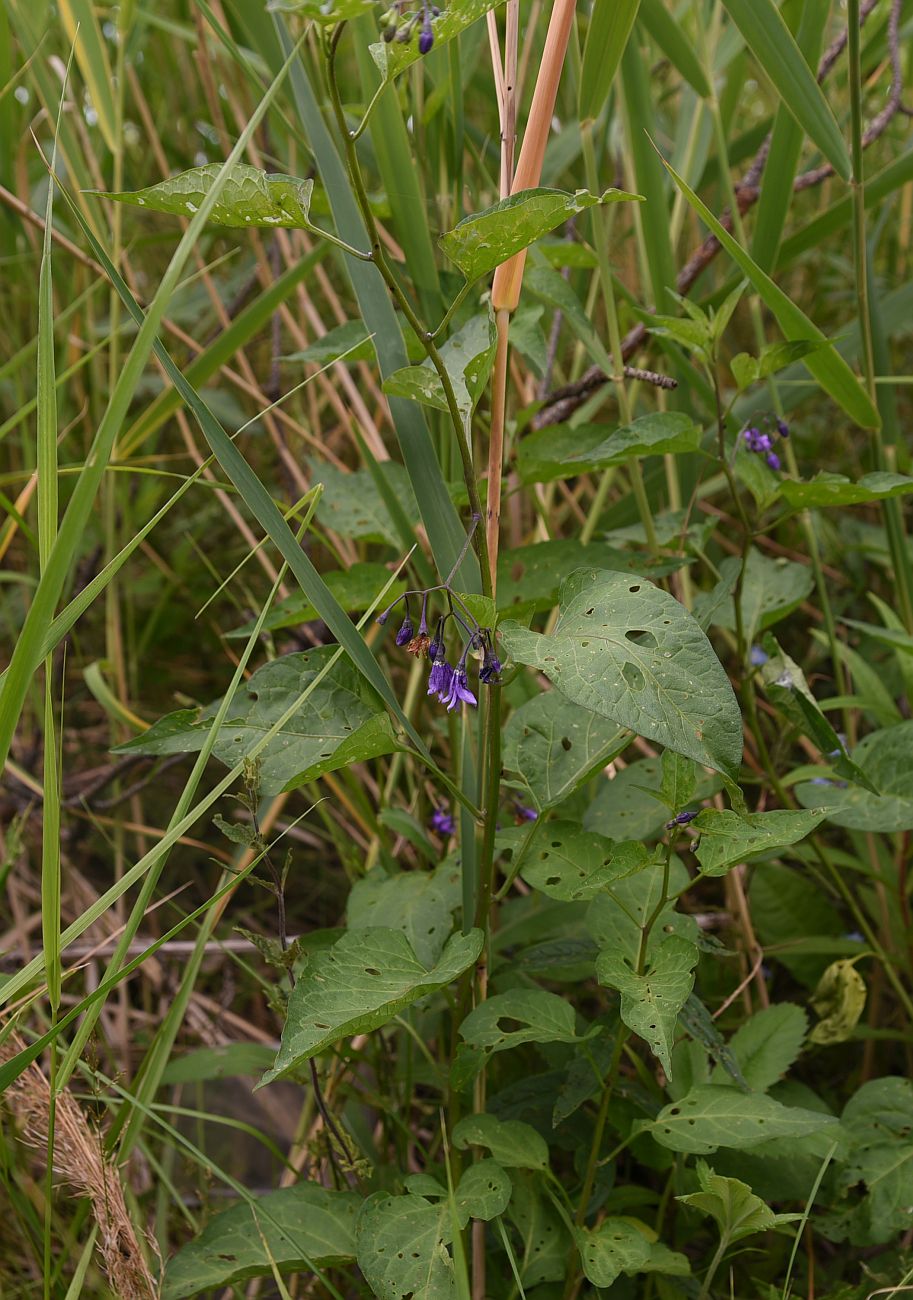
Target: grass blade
606 38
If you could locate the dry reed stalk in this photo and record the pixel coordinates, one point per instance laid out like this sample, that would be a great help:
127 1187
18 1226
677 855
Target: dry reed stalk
80 1162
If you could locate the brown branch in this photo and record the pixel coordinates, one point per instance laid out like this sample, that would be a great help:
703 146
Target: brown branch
563 402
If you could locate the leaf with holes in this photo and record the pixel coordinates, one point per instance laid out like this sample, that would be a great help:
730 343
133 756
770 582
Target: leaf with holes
629 805
341 721
625 1246
401 1247
563 451
544 1240
555 745
482 241
727 838
574 865
299 1228
361 983
632 653
416 902
709 1117
530 577
886 760
483 1193
519 1016
650 1003
249 197
510 1141
615 918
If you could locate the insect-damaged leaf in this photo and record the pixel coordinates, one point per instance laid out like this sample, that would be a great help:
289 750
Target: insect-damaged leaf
249 197
650 1003
632 653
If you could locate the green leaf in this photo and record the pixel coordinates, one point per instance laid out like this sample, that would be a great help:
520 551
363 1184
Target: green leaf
401 1247
300 1228
511 1142
771 589
677 47
624 1246
772 44
528 1016
395 57
886 759
679 781
341 721
226 1062
482 241
562 451
630 652
353 506
734 1206
355 588
364 980
615 919
767 1044
827 366
249 197
711 1116
748 370
606 37
530 577
483 1193
727 838
544 1241
573 865
650 1003
555 745
417 902
628 806
877 1120
468 356
839 1000
788 908
325 11
838 490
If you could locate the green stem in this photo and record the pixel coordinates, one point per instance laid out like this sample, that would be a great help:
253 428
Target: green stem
714 1265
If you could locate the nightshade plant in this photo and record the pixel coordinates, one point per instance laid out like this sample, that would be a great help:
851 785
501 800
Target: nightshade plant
623 864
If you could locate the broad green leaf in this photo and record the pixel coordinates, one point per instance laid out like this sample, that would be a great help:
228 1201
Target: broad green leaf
300 1228
417 902
364 980
650 1003
574 865
766 1044
771 589
401 1247
225 1062
395 57
530 577
353 506
727 838
877 1120
625 1246
711 1116
678 48
615 918
734 1206
467 356
555 745
624 807
528 1016
827 366
632 653
562 451
679 781
249 197
341 721
483 1192
544 1240
748 370
511 1142
839 1000
355 588
886 759
838 490
772 44
789 909
606 37
482 241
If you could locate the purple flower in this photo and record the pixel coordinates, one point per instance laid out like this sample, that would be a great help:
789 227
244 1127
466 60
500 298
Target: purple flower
773 460
406 632
458 691
491 668
439 678
425 39
782 428
442 822
757 441
680 819
525 814
757 657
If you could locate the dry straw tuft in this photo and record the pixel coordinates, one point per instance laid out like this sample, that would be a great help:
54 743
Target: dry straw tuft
79 1161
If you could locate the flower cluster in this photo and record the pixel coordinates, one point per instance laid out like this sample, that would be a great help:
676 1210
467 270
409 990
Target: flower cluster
397 26
761 442
448 682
